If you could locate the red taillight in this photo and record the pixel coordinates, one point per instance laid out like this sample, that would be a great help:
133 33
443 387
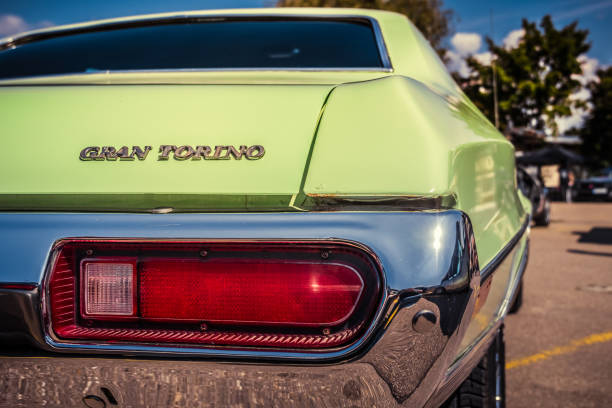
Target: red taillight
294 295
249 291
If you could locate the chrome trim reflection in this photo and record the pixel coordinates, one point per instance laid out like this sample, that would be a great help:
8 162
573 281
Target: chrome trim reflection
459 372
516 280
461 368
486 271
428 261
395 238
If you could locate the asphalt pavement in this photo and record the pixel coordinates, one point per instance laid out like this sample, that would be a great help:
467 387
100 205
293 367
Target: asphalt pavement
559 344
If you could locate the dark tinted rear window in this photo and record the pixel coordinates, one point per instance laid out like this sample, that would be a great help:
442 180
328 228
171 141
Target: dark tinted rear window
238 44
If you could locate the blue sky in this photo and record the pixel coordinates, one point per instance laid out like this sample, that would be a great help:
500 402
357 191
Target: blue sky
473 15
594 15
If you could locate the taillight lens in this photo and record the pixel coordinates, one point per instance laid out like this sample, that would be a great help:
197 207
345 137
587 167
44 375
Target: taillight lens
249 291
288 295
108 288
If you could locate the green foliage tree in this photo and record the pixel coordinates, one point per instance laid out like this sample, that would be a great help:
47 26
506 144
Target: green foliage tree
534 79
597 131
428 15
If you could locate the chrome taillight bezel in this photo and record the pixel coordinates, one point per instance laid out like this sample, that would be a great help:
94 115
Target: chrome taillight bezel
357 336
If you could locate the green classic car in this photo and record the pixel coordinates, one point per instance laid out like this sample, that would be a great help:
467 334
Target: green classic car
269 207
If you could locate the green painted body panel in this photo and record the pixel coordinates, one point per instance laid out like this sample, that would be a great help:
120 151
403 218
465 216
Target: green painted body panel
399 138
409 133
68 119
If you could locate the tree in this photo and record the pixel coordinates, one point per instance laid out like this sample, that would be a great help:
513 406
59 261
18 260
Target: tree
597 131
534 79
427 15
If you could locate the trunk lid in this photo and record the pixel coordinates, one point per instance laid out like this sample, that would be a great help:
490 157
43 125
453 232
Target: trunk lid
44 129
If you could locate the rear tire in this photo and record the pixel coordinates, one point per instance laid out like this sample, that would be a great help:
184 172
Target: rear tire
544 218
486 385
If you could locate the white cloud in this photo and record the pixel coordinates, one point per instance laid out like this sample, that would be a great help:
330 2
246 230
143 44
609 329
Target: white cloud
582 95
12 24
575 120
589 73
466 43
589 69
484 57
43 24
583 10
456 63
513 38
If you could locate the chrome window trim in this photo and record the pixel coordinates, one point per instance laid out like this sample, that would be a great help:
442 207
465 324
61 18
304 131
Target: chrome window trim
39 35
194 71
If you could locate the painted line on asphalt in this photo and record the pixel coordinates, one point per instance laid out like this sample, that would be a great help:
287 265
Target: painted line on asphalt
557 351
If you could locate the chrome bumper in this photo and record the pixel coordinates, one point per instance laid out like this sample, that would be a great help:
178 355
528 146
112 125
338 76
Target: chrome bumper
429 264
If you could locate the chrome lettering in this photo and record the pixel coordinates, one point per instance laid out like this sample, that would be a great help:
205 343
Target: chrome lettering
180 153
89 153
124 154
141 154
237 153
164 151
255 152
201 152
183 152
108 153
218 150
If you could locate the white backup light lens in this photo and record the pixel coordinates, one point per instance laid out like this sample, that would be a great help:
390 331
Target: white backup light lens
109 289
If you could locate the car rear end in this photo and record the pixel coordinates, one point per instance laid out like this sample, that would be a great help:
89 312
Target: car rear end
282 215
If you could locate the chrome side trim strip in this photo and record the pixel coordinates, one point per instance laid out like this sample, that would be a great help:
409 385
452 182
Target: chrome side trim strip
487 270
516 282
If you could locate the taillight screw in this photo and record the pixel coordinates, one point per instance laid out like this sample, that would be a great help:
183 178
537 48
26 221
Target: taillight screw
326 331
203 253
324 254
89 252
203 327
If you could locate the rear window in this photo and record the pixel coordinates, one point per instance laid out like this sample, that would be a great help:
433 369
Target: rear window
199 45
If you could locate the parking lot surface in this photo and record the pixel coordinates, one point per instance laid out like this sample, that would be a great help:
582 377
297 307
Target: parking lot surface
559 345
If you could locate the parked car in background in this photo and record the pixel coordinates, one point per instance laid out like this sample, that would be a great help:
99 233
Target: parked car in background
300 202
534 189
598 187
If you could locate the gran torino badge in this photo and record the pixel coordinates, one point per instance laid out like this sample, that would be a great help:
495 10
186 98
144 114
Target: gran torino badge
184 152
